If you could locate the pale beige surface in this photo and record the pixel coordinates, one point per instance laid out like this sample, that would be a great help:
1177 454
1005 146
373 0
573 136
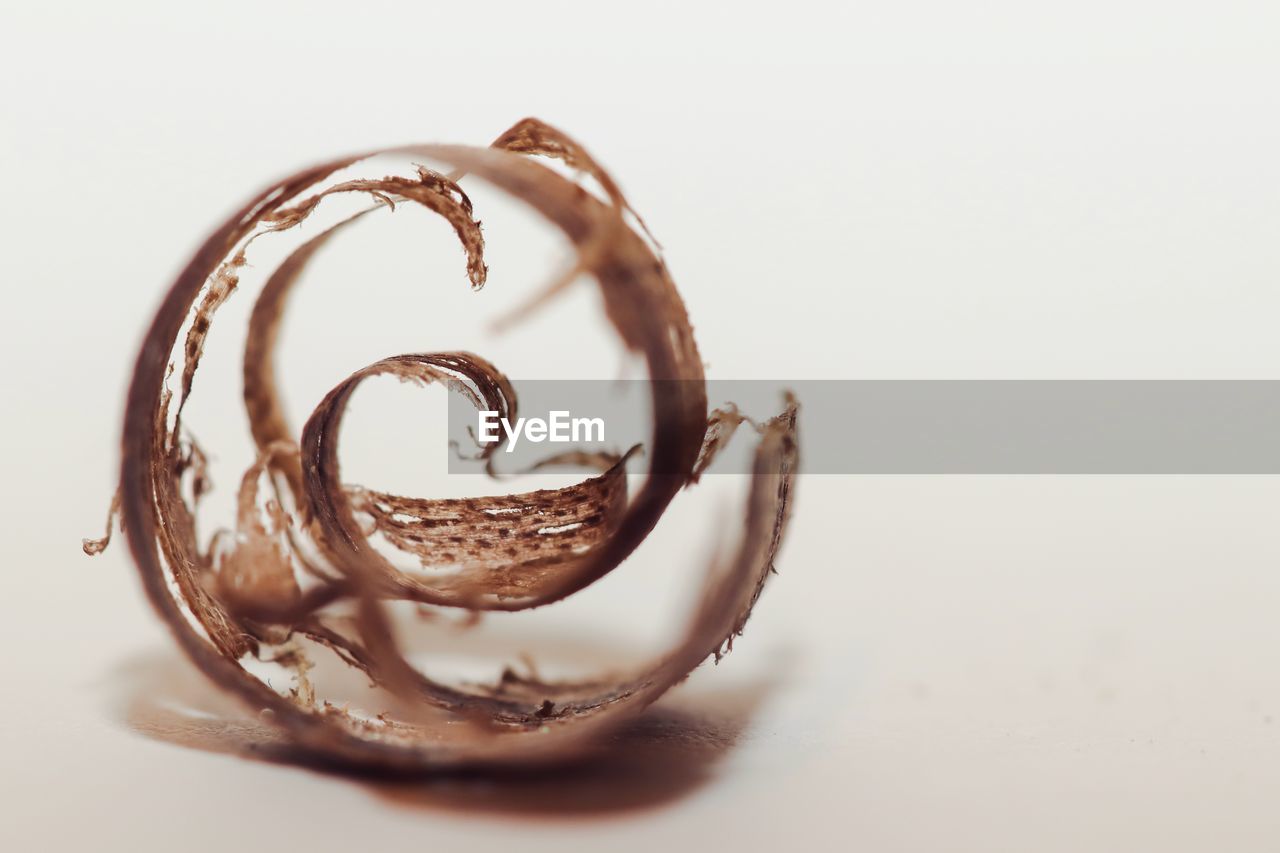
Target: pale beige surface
943 663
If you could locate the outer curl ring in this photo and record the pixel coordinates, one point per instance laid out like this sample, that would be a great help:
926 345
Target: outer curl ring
526 721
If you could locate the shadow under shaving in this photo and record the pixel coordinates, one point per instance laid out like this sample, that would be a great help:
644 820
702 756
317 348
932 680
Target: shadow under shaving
658 758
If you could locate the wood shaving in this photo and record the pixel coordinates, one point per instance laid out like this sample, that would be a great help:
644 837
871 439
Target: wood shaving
300 562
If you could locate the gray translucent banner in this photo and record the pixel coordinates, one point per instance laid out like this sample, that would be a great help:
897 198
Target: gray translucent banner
935 426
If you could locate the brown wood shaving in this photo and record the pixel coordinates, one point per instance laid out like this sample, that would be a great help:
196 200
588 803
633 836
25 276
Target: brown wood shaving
301 561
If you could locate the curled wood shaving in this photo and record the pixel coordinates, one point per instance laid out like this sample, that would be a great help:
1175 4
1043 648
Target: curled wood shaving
301 563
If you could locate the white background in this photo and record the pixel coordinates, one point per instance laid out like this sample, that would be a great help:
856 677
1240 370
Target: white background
894 190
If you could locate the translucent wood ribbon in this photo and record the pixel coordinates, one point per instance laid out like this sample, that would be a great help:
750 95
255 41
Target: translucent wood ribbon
301 549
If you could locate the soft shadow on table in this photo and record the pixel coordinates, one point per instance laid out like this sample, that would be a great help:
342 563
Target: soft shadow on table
662 756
